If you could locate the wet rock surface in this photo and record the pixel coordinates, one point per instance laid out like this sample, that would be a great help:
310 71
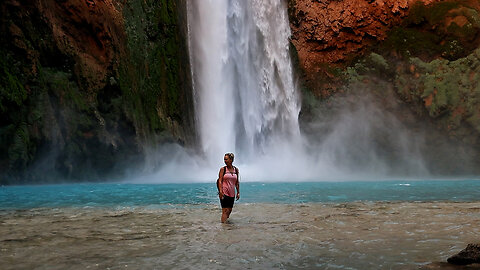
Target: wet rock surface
469 255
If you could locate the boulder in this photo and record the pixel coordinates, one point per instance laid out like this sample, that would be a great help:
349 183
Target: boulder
471 254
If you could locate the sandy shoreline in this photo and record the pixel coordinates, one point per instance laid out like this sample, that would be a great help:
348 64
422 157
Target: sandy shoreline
381 235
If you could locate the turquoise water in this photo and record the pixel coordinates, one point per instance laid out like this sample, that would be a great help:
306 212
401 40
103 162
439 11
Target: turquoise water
173 195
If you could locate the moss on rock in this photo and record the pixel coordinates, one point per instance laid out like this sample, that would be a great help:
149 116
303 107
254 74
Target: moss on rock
448 29
151 78
448 90
12 92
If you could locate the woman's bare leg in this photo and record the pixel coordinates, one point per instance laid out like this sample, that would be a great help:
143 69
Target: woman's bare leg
226 214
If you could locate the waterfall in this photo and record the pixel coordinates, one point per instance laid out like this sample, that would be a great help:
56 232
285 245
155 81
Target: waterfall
246 100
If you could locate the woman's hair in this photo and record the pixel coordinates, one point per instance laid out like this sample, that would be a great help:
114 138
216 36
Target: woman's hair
230 155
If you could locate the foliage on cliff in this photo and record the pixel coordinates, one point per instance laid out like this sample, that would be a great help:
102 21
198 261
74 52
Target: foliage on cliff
154 77
85 85
435 63
430 61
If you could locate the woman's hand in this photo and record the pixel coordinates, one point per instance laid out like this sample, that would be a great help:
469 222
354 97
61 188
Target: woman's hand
238 195
220 195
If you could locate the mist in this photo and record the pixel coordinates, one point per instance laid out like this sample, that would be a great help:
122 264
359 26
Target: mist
358 139
359 133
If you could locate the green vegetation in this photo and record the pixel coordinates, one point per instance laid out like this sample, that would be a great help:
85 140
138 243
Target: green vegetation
12 92
448 89
425 33
373 65
62 85
78 116
150 76
15 147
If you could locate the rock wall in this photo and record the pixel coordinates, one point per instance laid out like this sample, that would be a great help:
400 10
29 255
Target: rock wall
335 31
87 86
422 55
332 34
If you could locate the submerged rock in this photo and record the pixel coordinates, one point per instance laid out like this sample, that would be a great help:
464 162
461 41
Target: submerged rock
448 266
470 255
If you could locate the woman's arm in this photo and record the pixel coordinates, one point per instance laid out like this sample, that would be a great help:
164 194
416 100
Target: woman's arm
220 183
237 185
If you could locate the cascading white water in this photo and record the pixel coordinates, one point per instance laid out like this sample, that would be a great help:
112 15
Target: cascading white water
246 97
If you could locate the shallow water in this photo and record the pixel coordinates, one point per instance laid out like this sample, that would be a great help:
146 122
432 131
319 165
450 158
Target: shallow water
351 235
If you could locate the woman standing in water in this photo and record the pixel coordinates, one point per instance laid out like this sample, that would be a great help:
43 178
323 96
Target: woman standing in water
227 182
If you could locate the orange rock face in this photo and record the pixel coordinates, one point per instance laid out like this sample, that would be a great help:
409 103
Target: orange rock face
92 32
334 32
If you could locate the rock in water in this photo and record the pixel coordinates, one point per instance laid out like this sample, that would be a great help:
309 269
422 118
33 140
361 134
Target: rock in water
471 254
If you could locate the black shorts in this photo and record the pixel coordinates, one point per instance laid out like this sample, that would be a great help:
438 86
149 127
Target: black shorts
227 201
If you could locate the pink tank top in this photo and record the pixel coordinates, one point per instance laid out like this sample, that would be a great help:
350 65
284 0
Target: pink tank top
229 182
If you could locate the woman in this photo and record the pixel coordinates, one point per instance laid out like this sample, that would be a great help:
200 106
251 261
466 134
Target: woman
227 182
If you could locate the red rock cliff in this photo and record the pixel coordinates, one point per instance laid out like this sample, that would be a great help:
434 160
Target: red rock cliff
92 32
337 31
